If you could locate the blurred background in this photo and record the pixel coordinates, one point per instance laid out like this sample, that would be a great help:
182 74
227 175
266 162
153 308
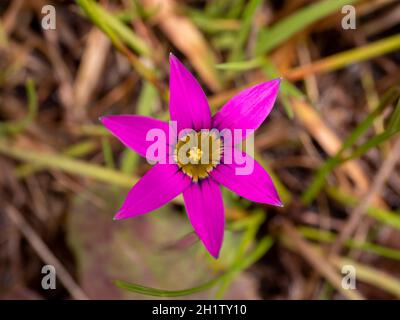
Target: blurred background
330 143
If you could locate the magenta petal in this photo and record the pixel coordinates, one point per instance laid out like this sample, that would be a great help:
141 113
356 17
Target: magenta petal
256 186
205 210
188 103
131 130
160 184
248 109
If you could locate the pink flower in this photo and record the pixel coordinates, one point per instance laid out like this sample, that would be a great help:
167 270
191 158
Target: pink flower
198 182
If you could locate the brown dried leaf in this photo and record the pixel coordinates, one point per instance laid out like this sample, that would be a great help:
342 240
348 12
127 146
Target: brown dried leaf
187 38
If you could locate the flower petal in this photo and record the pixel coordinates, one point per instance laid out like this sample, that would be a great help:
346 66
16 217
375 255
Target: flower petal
160 184
132 130
205 210
188 103
254 184
248 109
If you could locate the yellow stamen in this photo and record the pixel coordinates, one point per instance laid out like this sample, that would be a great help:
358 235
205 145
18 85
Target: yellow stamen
198 153
195 154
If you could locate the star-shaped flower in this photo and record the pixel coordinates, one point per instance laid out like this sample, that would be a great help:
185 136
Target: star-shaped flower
197 171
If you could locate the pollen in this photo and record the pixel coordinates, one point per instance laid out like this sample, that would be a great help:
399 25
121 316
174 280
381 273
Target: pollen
195 154
198 153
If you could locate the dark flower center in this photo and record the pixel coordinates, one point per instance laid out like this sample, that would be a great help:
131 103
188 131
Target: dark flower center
198 153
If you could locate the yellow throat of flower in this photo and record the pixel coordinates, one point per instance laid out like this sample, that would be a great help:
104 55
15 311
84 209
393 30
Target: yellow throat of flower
198 153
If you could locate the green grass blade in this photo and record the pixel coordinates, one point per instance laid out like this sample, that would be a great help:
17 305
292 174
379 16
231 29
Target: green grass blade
271 37
213 25
164 293
15 127
334 161
329 237
372 276
384 216
74 151
107 153
334 62
69 165
394 122
248 238
240 65
237 52
113 26
261 248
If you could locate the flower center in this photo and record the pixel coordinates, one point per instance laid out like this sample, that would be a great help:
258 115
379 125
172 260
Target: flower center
198 153
195 154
